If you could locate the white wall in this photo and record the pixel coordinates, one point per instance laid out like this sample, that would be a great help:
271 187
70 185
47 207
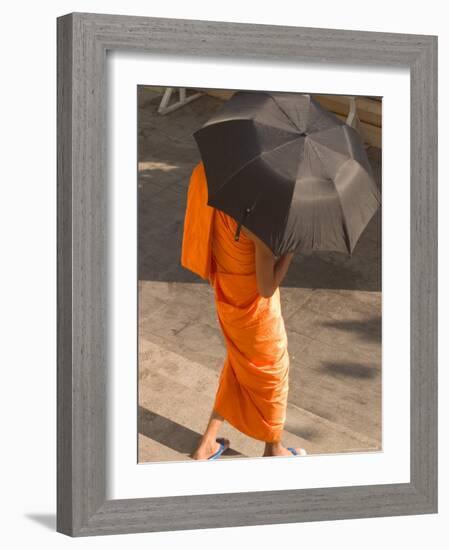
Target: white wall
28 270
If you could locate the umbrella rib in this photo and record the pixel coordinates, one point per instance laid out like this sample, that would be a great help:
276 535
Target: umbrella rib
312 145
345 227
284 112
255 158
349 158
350 153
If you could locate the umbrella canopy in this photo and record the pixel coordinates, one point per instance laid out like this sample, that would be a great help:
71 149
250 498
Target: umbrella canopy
290 171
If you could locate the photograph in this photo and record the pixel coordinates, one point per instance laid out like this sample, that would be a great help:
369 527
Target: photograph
259 234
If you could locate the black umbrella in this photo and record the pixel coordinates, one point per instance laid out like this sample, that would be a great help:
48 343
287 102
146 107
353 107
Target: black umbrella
288 170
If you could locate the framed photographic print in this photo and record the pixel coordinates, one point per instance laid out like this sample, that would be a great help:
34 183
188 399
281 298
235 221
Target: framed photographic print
247 274
181 342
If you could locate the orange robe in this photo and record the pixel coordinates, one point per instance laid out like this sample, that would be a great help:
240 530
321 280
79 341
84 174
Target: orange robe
253 385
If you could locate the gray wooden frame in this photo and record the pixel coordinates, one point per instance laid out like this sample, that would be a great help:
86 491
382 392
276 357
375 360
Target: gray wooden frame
83 40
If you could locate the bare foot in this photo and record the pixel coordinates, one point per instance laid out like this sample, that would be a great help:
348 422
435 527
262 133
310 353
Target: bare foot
277 449
209 447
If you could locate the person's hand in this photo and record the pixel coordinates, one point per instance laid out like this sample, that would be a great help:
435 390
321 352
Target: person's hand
285 258
288 256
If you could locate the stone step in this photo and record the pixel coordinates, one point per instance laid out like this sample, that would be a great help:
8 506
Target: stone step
175 399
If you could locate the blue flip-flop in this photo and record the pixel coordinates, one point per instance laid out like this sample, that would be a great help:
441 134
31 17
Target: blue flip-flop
220 450
295 452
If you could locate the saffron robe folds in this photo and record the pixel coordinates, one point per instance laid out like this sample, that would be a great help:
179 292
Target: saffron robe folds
253 384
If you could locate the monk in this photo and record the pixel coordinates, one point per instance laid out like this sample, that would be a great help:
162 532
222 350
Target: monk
245 275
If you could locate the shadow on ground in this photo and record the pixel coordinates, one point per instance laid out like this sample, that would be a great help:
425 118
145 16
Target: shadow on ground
171 434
